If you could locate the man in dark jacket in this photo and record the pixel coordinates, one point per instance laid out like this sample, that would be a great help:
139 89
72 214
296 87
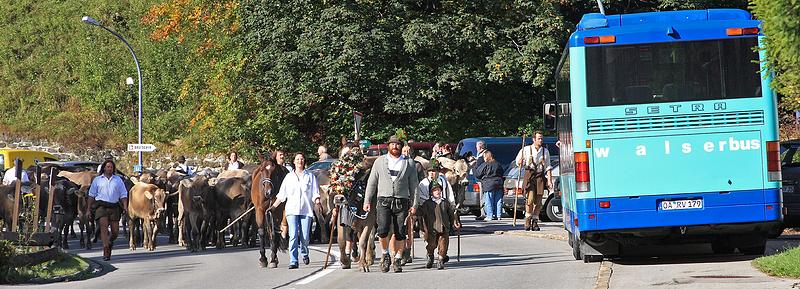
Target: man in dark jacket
490 174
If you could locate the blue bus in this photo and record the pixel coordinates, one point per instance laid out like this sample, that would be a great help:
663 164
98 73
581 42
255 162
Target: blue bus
668 133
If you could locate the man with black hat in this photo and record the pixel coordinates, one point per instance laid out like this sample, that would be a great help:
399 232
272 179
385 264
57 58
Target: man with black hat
438 215
182 167
394 181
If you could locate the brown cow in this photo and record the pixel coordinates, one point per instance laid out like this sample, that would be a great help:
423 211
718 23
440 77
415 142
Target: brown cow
146 202
233 198
7 205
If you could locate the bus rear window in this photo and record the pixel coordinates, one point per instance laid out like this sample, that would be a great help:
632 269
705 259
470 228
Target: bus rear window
672 72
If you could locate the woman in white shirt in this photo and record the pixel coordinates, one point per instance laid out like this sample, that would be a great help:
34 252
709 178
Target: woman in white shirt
299 190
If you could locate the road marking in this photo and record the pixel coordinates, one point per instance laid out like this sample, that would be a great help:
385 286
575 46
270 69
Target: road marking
320 274
316 276
603 275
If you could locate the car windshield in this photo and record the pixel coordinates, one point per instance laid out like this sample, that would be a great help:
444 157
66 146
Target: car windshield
790 157
323 165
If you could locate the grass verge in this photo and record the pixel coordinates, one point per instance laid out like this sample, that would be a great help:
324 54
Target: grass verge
65 265
781 265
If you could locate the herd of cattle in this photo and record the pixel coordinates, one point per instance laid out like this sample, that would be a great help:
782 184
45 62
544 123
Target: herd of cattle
193 210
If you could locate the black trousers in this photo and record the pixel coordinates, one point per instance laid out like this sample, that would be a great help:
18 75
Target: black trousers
392 214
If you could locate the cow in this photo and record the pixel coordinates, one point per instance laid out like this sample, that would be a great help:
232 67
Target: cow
196 202
64 209
84 181
232 189
146 202
171 180
7 205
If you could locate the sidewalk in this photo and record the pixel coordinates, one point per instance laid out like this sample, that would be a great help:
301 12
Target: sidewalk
550 230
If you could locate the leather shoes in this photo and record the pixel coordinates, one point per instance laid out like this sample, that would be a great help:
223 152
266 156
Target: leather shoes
385 263
293 266
396 266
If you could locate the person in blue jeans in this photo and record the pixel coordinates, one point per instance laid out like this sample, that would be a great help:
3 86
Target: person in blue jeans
300 191
490 174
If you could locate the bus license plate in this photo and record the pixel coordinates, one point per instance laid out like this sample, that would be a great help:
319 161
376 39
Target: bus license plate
682 204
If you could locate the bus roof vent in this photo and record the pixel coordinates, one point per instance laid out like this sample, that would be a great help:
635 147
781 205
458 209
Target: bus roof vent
593 21
670 122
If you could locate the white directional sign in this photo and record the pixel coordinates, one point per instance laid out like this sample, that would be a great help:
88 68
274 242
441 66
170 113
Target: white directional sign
357 116
141 147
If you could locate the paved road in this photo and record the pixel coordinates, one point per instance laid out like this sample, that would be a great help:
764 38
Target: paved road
489 260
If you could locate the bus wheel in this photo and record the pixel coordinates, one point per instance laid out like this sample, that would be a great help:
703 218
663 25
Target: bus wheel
721 248
553 209
576 247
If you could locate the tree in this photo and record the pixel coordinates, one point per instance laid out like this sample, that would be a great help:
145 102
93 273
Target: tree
782 45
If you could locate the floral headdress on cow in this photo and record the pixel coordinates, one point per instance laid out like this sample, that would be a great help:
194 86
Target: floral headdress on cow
343 172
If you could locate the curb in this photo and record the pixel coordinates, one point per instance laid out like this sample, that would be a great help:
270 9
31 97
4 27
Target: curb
94 269
603 275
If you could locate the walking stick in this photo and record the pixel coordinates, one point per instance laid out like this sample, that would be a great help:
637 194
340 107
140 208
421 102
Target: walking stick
334 217
410 225
519 176
458 255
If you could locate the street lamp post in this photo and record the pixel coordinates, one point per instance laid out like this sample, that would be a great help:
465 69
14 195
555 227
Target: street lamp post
92 21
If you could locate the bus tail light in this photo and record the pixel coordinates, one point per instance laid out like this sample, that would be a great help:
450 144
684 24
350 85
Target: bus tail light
773 161
741 31
600 39
582 171
605 204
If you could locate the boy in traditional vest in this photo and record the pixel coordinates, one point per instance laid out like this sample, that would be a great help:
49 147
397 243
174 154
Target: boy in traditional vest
438 215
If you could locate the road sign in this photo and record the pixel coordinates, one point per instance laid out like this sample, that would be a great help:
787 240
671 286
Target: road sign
357 116
133 147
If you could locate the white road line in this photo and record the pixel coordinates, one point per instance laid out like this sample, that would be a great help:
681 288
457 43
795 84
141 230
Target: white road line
316 276
320 274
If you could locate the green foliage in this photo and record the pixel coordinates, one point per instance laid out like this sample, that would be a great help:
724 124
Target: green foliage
782 45
781 265
437 69
7 250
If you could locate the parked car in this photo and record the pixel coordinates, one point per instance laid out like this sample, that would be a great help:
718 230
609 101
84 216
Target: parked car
321 169
505 150
790 170
421 149
552 201
29 157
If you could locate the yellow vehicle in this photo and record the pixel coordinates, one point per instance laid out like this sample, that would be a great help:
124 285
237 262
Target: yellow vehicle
29 157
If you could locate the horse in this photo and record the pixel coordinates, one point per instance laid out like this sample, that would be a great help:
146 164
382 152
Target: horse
363 231
265 185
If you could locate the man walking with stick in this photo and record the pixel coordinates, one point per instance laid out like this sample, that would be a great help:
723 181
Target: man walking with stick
394 179
535 159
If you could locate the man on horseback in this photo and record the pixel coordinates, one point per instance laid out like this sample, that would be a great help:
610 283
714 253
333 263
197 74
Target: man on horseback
394 179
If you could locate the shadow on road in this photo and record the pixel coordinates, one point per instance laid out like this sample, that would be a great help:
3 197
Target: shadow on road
482 227
500 260
697 253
